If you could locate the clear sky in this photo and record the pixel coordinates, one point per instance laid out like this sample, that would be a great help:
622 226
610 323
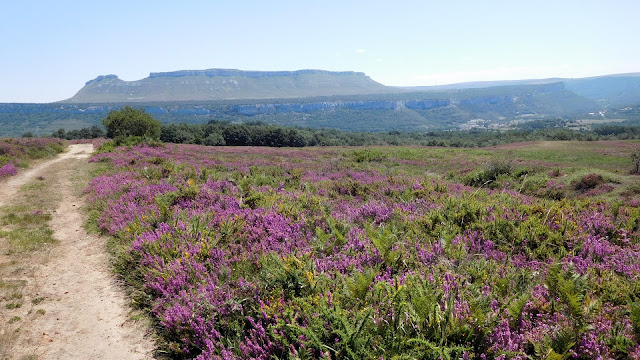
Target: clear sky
49 49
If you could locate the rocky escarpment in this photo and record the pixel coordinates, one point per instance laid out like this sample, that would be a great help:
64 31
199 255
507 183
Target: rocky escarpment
101 78
504 104
227 84
376 112
251 74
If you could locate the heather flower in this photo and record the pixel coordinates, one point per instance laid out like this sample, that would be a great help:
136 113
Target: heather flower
269 253
8 170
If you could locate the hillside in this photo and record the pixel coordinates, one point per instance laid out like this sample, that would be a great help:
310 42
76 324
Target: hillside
607 90
223 84
611 90
409 111
324 99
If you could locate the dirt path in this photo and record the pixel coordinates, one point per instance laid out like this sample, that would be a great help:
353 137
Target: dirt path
84 314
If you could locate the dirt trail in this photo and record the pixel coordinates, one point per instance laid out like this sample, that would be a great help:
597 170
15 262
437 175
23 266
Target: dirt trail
10 188
85 313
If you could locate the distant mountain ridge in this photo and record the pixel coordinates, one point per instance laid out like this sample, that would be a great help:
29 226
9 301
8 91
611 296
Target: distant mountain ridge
344 100
402 111
227 84
248 73
233 84
608 90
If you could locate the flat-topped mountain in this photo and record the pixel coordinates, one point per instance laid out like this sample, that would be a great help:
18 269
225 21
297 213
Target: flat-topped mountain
343 100
227 84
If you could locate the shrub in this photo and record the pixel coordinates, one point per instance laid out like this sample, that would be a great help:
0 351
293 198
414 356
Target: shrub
552 190
633 189
599 190
555 173
8 170
131 122
635 157
494 170
588 182
129 141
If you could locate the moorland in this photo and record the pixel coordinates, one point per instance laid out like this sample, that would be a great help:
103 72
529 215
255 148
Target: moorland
486 221
520 251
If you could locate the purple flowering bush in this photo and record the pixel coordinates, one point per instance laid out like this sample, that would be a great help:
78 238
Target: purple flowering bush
8 170
262 253
15 153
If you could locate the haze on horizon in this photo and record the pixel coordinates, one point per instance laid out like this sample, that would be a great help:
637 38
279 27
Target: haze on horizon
50 49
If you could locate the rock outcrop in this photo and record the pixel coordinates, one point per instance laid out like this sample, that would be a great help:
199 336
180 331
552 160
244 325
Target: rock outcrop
227 84
251 74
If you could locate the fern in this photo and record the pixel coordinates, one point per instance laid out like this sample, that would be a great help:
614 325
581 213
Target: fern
556 348
338 231
334 239
571 289
563 342
544 353
429 349
618 341
354 337
571 296
358 286
384 238
635 318
517 307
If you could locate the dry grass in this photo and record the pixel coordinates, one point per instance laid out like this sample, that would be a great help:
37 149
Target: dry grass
25 240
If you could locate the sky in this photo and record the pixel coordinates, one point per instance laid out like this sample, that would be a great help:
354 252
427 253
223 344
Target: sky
49 49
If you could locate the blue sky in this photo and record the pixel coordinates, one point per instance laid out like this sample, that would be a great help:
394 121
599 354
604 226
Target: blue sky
51 48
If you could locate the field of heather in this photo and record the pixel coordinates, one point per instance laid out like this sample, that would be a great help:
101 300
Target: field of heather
16 153
523 252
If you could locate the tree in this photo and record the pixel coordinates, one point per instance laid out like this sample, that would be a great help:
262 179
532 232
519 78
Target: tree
182 134
60 133
237 135
131 122
214 139
96 132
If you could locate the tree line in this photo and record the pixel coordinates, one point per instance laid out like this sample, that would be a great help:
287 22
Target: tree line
133 122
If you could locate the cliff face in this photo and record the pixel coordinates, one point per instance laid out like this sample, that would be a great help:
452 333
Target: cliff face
101 78
264 107
251 74
375 112
227 84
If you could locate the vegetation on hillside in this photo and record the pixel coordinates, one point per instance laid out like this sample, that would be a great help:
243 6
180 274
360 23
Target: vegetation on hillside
220 133
364 253
422 111
261 134
17 153
93 132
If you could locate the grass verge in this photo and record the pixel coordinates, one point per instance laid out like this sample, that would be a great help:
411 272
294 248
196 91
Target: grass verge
25 240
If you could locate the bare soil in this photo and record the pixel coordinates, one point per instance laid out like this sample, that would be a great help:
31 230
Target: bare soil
73 308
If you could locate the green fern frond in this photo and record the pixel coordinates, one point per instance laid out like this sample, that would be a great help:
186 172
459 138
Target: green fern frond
635 317
562 343
517 307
